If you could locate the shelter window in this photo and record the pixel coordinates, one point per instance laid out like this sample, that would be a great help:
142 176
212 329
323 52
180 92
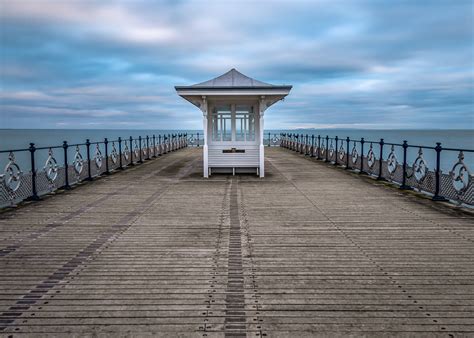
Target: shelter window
222 123
244 123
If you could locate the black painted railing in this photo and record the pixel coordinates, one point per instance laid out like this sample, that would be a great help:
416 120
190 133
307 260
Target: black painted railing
63 166
390 162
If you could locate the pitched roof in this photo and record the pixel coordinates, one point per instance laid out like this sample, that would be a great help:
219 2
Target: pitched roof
233 79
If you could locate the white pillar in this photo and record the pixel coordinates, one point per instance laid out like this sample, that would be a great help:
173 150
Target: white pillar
262 107
205 154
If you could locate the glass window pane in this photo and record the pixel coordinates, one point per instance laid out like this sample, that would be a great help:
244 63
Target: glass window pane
222 123
226 127
244 123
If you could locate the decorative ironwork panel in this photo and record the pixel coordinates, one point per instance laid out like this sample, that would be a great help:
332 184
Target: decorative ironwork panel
448 190
341 153
114 154
356 164
420 167
371 170
192 141
44 185
355 157
427 183
51 167
78 163
331 152
12 175
98 158
136 151
371 159
126 152
275 140
23 191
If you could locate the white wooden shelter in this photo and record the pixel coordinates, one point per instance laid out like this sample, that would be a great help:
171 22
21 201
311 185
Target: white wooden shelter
233 106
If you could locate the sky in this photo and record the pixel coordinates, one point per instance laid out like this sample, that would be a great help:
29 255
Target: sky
353 64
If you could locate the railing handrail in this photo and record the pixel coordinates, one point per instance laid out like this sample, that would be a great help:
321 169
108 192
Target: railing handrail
106 155
374 163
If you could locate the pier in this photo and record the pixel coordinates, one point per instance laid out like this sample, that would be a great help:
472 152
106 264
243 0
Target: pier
310 250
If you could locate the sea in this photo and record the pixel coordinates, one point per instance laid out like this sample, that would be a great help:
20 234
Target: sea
17 139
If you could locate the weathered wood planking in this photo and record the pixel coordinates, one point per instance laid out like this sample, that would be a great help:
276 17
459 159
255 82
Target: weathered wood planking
308 251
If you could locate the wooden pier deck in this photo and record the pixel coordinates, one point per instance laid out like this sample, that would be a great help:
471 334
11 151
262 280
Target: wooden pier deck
309 250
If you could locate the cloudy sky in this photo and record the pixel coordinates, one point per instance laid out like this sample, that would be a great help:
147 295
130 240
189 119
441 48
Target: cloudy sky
352 64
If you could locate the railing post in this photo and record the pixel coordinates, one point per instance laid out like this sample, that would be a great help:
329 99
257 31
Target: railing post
147 147
306 146
106 146
327 147
380 177
66 167
140 149
154 146
404 186
319 147
120 153
312 145
348 144
88 151
159 145
361 170
269 137
302 144
34 191
131 151
336 150
198 140
436 196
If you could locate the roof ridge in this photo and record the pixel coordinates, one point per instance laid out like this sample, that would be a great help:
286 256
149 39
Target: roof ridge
232 78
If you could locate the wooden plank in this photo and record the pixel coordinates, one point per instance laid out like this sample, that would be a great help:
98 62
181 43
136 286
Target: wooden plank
307 251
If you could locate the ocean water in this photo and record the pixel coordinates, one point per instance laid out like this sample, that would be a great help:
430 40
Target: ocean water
20 139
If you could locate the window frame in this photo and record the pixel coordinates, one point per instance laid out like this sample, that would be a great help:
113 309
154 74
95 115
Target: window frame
215 105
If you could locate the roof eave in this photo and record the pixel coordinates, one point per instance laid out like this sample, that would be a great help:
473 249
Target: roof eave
192 88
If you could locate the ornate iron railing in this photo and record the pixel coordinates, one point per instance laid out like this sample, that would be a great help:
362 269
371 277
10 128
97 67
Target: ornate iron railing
390 162
69 164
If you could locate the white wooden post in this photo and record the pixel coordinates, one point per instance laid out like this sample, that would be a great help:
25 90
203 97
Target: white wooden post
262 108
205 148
